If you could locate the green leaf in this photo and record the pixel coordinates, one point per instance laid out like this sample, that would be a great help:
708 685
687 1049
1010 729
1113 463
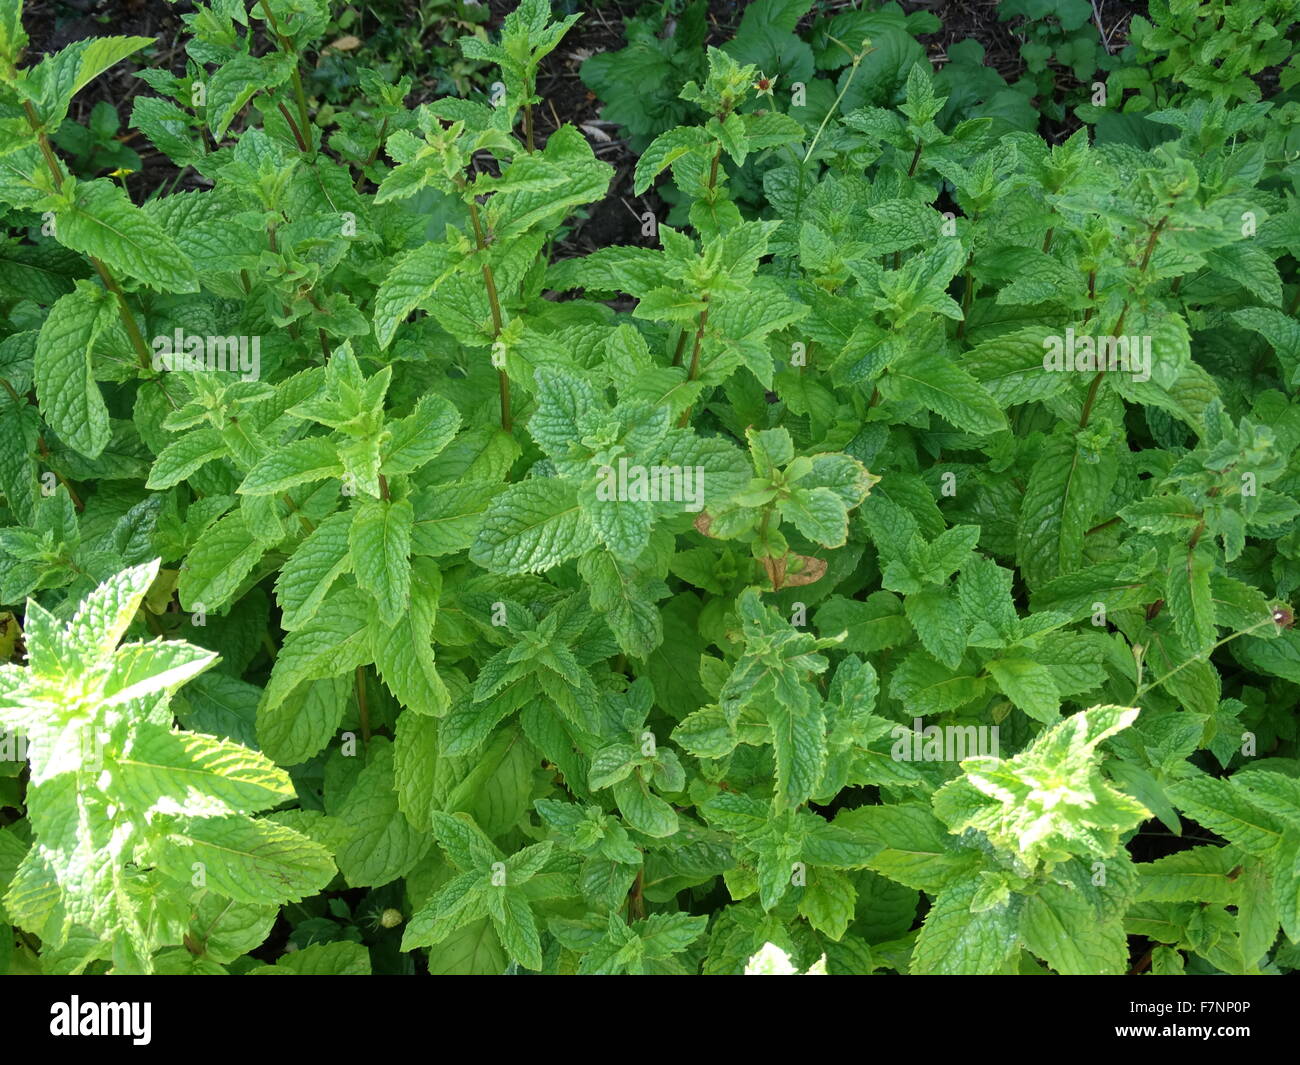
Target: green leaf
404 652
828 903
1187 591
1029 685
531 526
1226 808
236 81
218 563
643 811
1049 802
420 436
912 846
799 740
332 643
946 389
1010 367
663 151
564 402
516 928
471 950
870 626
307 575
1257 914
1060 926
139 670
626 600
70 399
448 516
299 725
1065 491
179 459
101 620
198 775
954 942
313 458
103 222
377 843
380 541
320 959
933 613
58 78
818 514
1200 874
930 687
413 279
248 861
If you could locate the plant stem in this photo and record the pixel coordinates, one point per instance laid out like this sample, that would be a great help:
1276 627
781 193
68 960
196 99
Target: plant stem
1151 244
361 177
105 275
286 46
857 62
489 283
362 708
51 160
680 351
967 292
293 127
124 314
13 394
635 899
916 159
694 372
44 449
302 109
1119 323
1092 398
287 500
1104 525
1144 688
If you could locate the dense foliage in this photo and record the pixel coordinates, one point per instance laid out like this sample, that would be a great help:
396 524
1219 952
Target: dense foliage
884 566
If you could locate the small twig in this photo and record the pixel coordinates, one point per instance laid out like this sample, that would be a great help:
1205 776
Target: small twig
361 705
1101 32
1143 963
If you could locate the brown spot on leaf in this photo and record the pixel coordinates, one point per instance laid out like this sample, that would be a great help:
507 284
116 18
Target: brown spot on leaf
792 570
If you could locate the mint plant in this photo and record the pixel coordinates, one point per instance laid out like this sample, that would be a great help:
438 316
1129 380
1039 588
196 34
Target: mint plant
884 565
1180 53
138 831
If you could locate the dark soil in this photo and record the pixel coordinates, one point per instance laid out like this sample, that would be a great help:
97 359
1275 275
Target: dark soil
53 24
616 218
